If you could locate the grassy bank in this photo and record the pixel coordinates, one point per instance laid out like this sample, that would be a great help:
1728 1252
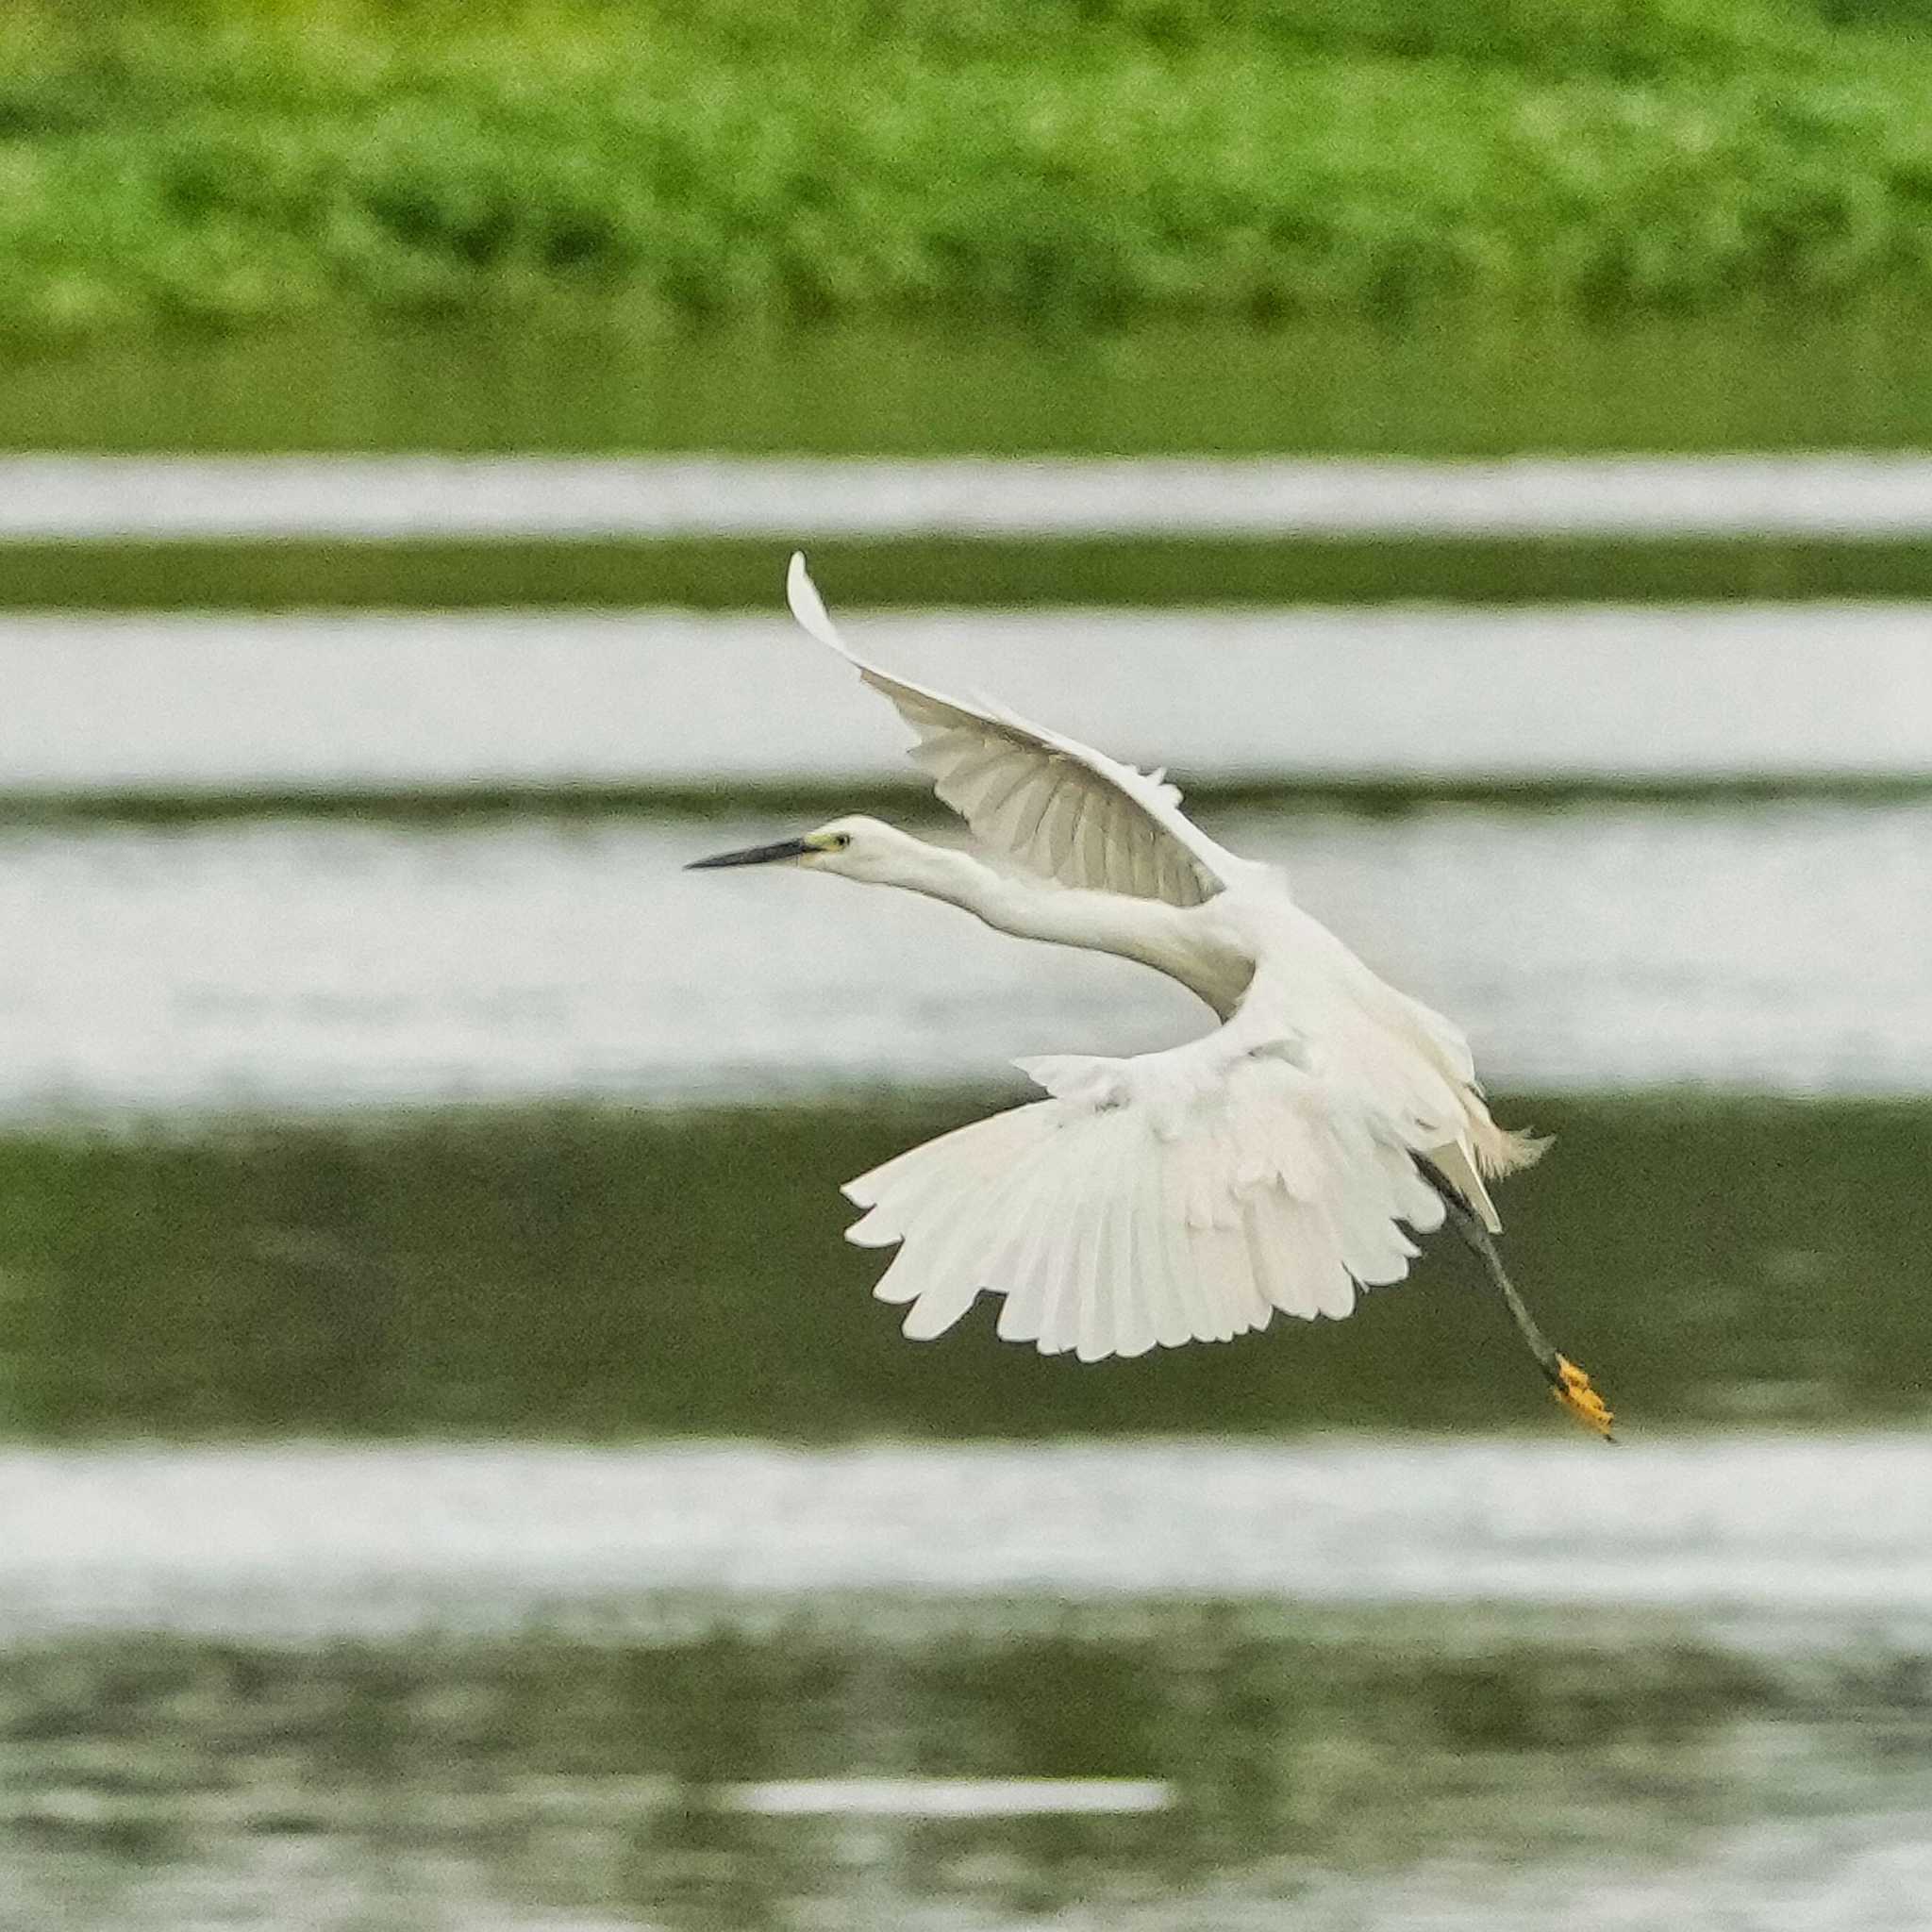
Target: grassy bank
1090 162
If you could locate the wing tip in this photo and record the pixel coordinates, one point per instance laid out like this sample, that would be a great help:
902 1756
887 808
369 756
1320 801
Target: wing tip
808 606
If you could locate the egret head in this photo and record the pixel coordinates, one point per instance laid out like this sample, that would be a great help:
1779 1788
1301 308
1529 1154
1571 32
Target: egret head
855 848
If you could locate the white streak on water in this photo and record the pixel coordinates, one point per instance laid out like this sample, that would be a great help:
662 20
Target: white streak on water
411 498
666 697
305 1541
949 1797
318 965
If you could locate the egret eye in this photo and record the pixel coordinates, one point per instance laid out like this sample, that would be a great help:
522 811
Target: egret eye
839 840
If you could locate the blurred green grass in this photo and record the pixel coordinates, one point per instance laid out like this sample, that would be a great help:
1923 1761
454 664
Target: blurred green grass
1074 163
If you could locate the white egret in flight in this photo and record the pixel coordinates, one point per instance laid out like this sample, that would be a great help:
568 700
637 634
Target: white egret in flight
1279 1162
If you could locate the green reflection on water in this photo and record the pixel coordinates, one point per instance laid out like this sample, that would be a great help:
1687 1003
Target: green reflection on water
1139 573
552 1772
600 1272
1457 383
1462 380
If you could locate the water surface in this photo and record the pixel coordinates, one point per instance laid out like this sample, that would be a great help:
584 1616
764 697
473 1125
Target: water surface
1843 496
1401 1652
613 1273
1450 383
1447 385
1783 1541
661 701
1352 1773
291 964
1376 1686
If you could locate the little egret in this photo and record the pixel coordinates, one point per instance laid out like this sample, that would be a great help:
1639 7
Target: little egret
1279 1162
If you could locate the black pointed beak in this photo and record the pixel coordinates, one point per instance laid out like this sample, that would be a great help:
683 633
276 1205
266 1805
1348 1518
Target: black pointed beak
753 854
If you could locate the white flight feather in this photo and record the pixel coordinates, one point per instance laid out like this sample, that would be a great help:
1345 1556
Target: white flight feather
1127 833
1181 1195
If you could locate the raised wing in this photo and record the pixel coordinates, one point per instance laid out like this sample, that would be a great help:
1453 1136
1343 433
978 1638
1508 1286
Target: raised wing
1067 811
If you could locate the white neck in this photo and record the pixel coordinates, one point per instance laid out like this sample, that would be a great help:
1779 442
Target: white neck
1147 930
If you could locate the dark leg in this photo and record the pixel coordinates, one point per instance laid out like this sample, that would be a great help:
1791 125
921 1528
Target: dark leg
1568 1383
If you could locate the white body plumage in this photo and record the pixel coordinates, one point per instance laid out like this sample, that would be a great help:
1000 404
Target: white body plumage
1181 1195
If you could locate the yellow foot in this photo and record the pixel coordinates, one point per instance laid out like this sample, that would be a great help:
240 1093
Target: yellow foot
1571 1389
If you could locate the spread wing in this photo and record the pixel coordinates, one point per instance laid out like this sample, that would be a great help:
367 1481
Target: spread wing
1181 1195
1068 812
